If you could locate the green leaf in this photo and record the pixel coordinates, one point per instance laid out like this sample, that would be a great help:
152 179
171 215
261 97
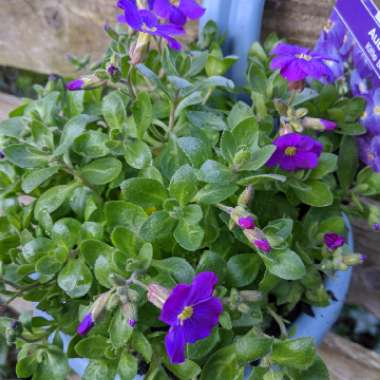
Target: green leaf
203 347
223 364
67 232
91 249
25 156
128 366
125 240
36 178
192 99
207 120
189 236
101 171
192 214
158 226
114 110
186 371
294 353
53 198
213 262
91 144
99 370
348 161
315 193
48 265
92 347
259 158
214 193
196 150
103 268
142 113
317 371
216 173
250 348
73 128
54 365
75 279
141 344
138 154
285 264
261 179
327 164
239 112
246 133
37 248
178 267
12 127
145 192
242 269
183 185
120 330
121 213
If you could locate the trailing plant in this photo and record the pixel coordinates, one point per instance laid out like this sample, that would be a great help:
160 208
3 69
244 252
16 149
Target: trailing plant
167 228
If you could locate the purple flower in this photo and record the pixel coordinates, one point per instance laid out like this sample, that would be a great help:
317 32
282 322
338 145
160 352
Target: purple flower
177 14
358 85
262 245
75 85
376 227
333 240
296 63
145 21
85 325
192 312
371 116
247 222
295 151
132 322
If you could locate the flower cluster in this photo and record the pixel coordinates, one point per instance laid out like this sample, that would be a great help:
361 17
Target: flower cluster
337 41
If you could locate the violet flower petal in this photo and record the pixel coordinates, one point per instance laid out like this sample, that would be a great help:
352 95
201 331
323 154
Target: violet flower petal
175 344
175 303
191 9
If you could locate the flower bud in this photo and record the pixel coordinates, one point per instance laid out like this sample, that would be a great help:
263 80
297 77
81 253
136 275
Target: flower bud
354 259
157 295
86 324
250 295
247 222
318 124
376 227
246 196
333 241
85 82
88 321
258 239
139 49
130 312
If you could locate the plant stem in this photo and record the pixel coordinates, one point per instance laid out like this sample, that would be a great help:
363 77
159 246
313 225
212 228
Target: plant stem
279 321
173 109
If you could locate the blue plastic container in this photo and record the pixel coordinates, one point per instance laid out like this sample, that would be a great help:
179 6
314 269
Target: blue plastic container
240 22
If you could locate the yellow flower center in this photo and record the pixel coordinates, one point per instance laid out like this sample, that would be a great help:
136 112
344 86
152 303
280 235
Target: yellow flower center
175 2
146 28
376 110
290 151
328 26
187 313
305 57
365 114
150 210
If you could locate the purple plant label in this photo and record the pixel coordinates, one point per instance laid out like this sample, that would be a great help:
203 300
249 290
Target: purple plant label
362 20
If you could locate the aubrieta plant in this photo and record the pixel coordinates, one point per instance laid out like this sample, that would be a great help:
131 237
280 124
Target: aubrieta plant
168 229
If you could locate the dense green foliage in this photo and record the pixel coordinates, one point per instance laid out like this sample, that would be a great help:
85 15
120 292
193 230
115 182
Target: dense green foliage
127 179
